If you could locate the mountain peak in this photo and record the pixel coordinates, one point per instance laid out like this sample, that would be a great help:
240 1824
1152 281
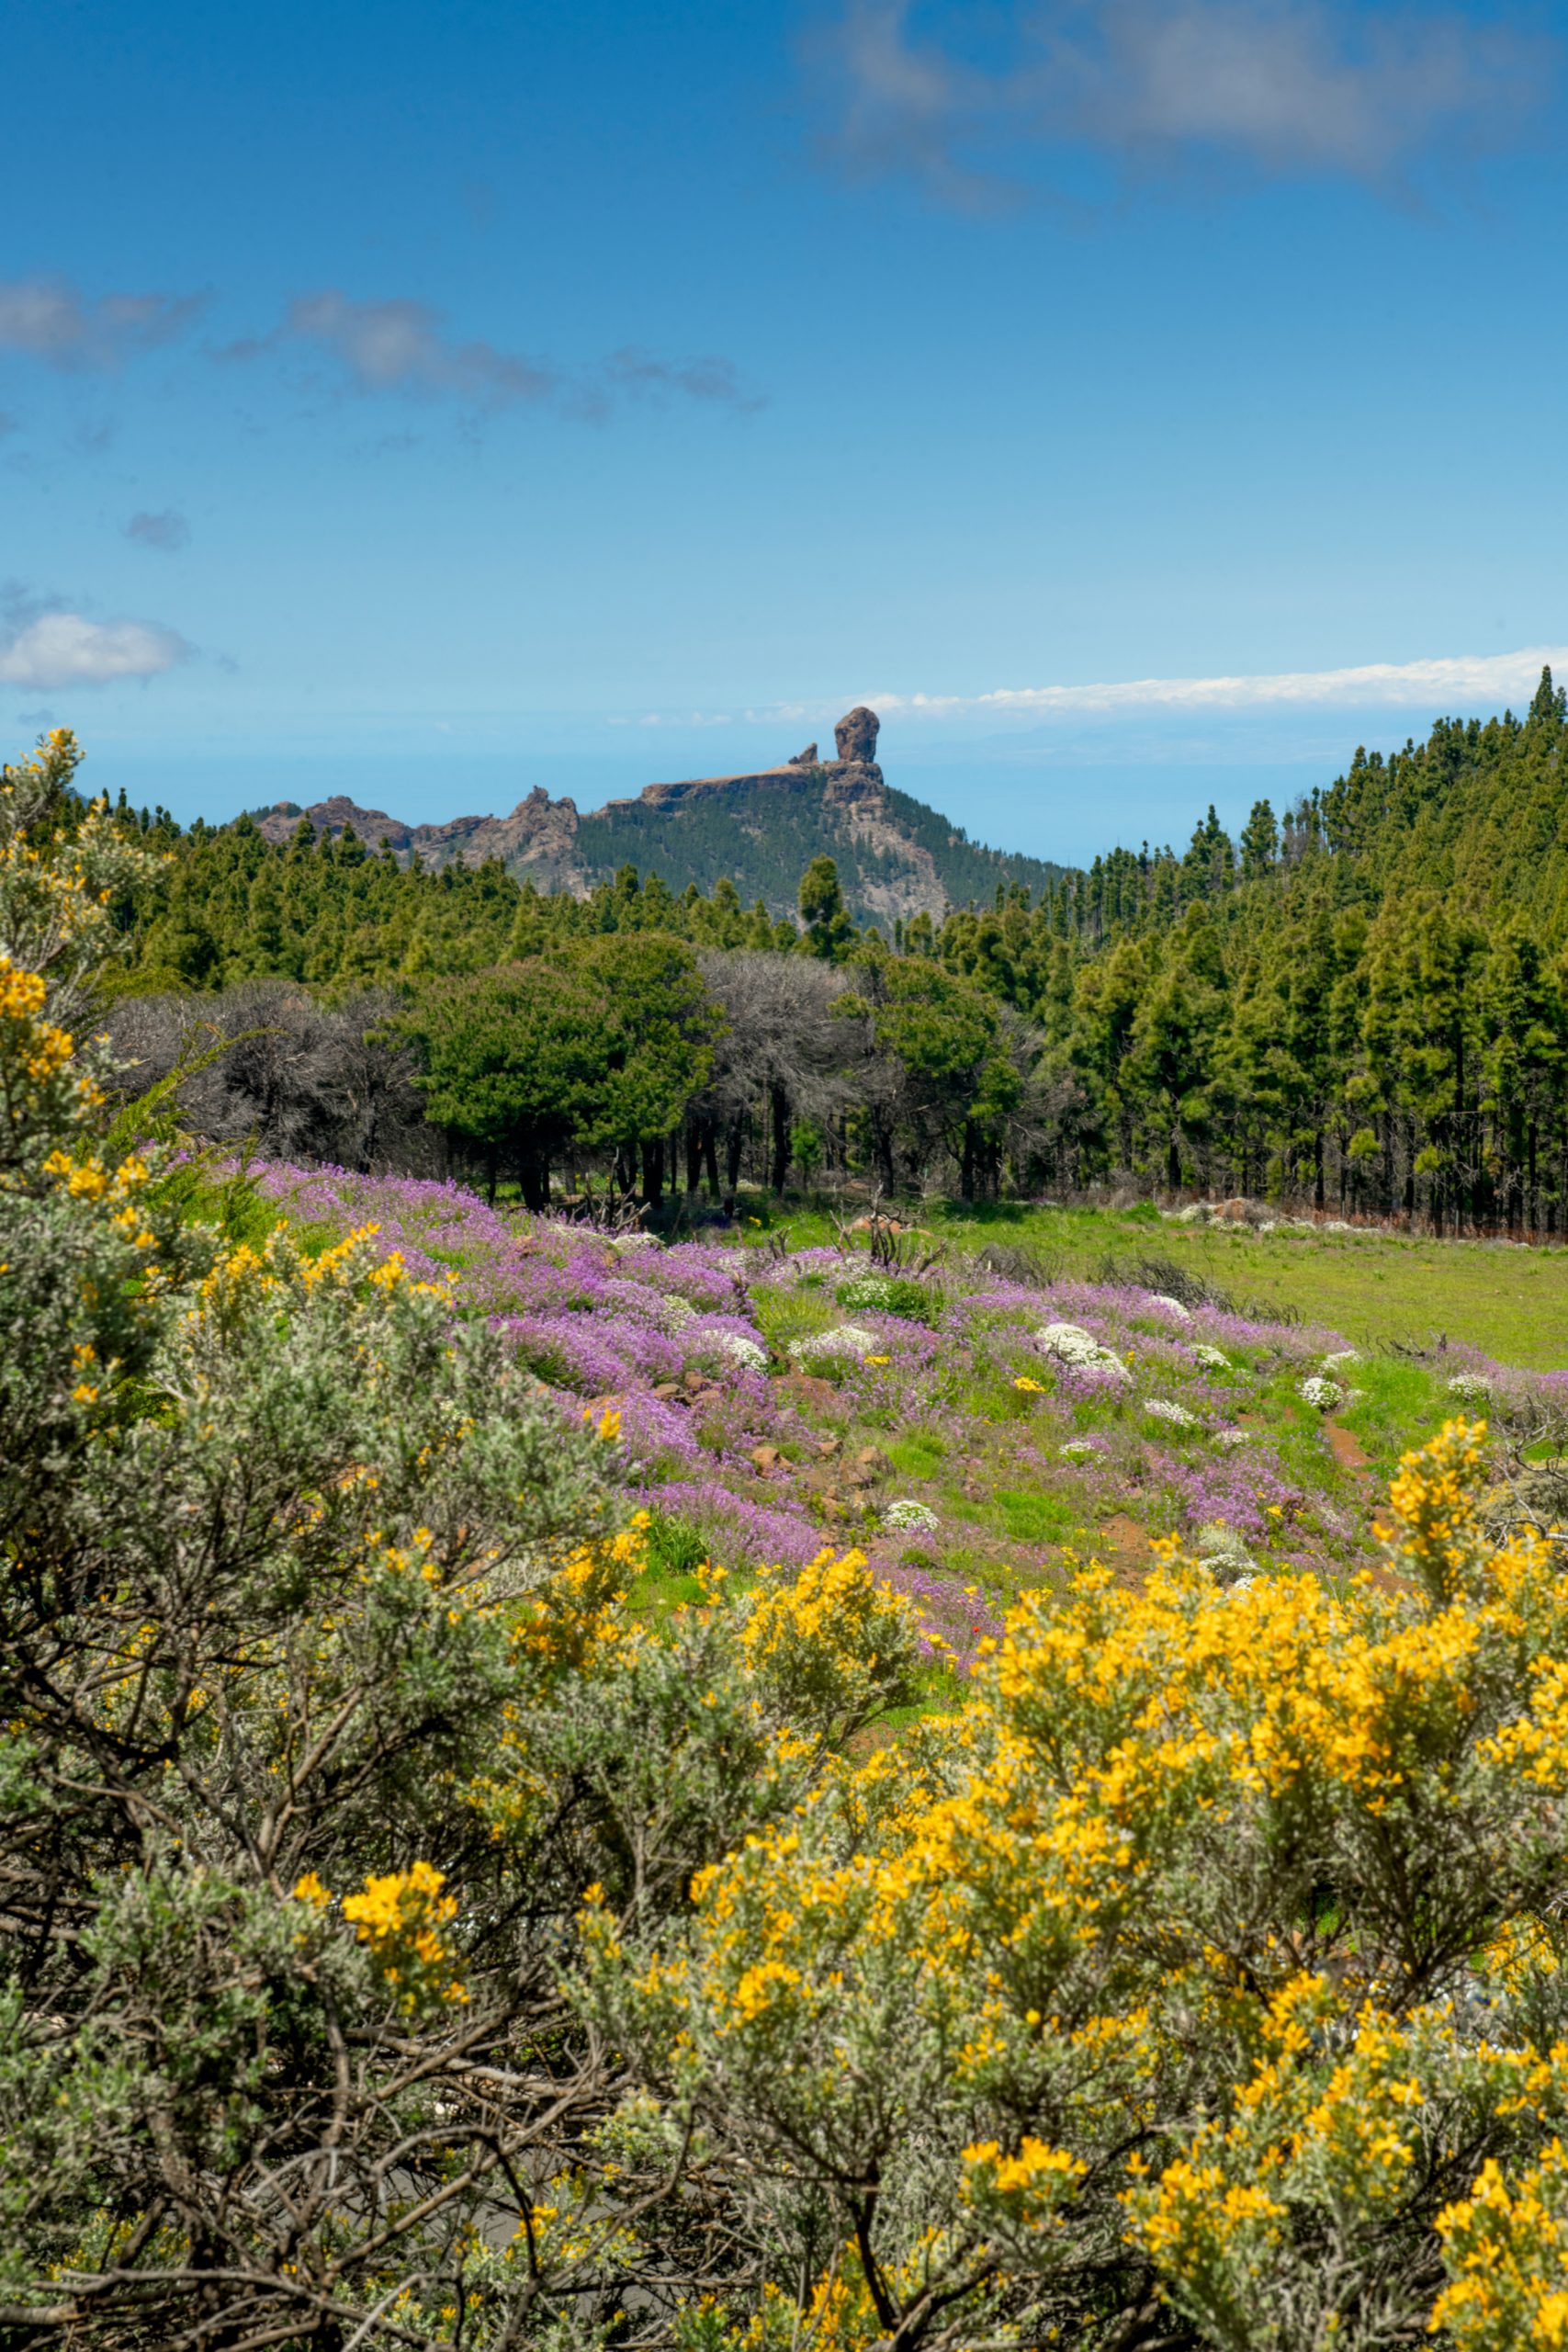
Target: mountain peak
760 828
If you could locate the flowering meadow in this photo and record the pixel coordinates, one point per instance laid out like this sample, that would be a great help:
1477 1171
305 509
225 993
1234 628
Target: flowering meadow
411 1937
975 1438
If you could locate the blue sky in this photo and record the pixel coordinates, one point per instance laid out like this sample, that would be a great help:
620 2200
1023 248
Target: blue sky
427 402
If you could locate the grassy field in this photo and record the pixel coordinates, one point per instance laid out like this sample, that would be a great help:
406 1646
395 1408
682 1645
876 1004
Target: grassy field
1375 1288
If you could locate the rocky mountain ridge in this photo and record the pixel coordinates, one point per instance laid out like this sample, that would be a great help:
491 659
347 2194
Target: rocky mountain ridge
896 858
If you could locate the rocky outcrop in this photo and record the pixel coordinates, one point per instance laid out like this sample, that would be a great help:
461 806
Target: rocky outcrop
537 838
856 735
338 815
841 805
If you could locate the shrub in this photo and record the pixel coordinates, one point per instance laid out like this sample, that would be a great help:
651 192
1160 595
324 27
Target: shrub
905 1517
320 1716
1071 1345
888 1295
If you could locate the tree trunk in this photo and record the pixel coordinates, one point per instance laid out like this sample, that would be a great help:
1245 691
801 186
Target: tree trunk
653 1171
533 1177
966 1163
778 1107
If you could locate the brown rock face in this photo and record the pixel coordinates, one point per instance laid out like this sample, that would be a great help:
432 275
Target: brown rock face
807 759
857 734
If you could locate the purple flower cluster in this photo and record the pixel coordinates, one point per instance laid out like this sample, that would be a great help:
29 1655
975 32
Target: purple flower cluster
774 1457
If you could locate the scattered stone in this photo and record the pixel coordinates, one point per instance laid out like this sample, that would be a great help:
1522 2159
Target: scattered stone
765 1458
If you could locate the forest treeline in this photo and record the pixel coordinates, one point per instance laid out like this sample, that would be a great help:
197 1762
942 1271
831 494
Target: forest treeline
1362 1002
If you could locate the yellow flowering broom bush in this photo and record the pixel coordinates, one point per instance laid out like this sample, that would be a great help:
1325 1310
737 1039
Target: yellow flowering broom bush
1177 1990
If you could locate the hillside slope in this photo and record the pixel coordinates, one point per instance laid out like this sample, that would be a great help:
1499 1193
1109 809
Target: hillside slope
896 857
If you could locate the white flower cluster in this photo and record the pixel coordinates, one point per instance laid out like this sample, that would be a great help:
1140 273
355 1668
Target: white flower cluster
1221 1549
843 1339
1215 1358
909 1517
872 1291
1080 1449
673 1312
638 1240
1469 1388
1161 1408
743 1351
1070 1344
1322 1395
1337 1363
1171 1306
1229 1437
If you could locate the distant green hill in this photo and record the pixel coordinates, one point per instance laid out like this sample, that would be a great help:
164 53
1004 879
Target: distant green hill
894 861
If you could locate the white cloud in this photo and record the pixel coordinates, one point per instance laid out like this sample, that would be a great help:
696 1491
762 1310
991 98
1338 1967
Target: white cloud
57 649
404 346
49 319
399 346
1282 85
1481 683
1486 678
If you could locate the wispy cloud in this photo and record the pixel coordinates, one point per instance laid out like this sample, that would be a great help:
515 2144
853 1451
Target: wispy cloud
400 346
709 379
49 319
167 530
43 651
1482 683
404 346
1283 85
1488 679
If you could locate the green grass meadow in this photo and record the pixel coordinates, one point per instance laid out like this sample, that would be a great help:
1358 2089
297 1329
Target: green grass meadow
1377 1288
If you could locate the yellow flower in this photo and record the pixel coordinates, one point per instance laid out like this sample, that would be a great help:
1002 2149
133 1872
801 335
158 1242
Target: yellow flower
401 1916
